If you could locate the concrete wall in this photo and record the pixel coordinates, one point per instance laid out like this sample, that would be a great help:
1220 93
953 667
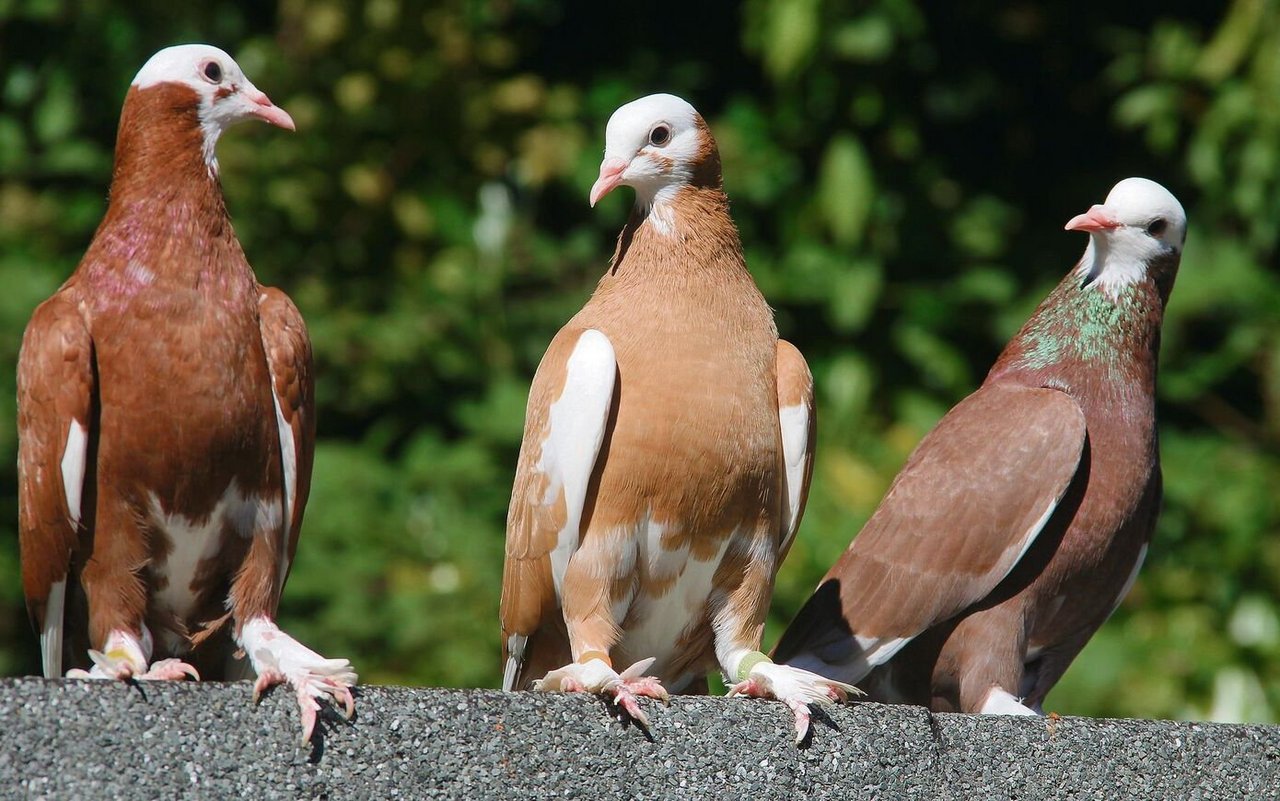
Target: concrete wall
90 740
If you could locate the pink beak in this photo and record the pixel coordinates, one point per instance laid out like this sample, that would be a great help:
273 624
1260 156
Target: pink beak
610 176
267 111
1095 219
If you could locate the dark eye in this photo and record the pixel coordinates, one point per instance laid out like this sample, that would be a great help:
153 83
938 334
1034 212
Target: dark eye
213 71
660 135
1157 226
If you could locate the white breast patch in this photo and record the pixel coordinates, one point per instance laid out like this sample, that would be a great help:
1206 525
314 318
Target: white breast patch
195 542
660 620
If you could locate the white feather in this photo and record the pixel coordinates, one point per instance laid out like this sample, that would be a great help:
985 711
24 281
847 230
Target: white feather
795 454
660 620
515 657
576 431
194 542
74 455
1000 702
271 649
1030 537
51 631
1128 582
289 461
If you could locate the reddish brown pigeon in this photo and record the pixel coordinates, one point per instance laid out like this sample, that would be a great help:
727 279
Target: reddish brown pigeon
1020 522
667 451
166 418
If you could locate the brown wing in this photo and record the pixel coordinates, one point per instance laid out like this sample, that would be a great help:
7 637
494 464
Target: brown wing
56 396
959 516
288 349
798 419
565 422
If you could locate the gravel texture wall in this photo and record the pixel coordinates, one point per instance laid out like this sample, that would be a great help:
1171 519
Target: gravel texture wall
91 740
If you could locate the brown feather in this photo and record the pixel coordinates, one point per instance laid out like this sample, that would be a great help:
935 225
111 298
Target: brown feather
692 443
56 384
181 389
926 564
954 522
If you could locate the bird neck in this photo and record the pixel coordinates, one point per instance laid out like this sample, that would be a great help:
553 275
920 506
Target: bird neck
1086 329
161 141
694 240
698 187
166 210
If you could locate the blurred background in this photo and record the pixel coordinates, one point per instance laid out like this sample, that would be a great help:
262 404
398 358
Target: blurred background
900 171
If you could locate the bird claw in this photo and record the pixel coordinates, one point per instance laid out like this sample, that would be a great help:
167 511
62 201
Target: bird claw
267 679
649 687
117 665
625 700
170 670
278 659
622 689
796 688
310 688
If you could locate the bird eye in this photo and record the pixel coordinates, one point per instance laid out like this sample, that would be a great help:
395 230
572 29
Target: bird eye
213 71
660 135
1157 226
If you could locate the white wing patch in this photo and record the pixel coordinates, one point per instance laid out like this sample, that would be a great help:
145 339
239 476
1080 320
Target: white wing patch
877 651
73 461
72 466
289 461
51 631
795 446
577 422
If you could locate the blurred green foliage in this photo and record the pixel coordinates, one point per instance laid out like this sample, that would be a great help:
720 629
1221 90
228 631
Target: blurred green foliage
900 171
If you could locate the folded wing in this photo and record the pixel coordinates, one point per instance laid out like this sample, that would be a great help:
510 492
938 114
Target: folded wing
968 504
56 390
565 423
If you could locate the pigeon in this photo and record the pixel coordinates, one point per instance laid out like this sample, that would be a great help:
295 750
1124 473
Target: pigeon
166 419
1021 520
667 452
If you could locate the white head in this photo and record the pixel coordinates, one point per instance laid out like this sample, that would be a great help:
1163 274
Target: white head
653 145
226 96
1139 221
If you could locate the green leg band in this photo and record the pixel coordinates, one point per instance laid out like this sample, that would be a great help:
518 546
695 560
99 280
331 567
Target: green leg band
748 662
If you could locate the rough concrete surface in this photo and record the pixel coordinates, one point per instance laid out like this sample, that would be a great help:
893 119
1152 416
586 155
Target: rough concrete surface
98 740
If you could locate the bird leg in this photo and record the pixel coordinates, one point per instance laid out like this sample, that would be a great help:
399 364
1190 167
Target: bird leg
278 658
793 686
124 658
596 675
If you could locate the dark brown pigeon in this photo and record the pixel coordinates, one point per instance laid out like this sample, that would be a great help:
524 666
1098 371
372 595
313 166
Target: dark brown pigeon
1020 522
166 418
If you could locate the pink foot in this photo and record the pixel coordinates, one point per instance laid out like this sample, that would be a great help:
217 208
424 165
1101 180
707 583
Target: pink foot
170 670
122 664
595 676
796 688
280 659
309 688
